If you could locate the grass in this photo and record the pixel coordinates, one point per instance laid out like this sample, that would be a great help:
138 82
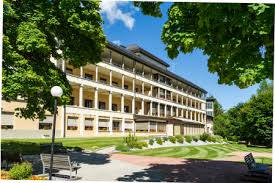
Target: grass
202 152
32 146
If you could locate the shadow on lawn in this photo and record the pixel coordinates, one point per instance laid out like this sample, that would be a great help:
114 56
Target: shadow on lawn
191 171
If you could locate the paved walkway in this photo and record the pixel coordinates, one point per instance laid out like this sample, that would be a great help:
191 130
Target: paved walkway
105 165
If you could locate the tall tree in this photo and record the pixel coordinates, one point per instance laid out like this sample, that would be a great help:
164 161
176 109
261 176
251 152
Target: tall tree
238 38
33 32
218 110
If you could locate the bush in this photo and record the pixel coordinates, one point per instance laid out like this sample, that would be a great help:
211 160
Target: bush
179 139
165 139
151 142
122 148
204 137
140 145
196 138
219 138
131 140
188 138
172 139
159 141
21 171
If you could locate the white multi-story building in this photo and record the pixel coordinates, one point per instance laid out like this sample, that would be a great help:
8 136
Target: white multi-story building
209 114
130 90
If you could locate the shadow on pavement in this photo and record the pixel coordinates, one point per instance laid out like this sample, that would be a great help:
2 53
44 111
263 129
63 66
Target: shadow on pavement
203 171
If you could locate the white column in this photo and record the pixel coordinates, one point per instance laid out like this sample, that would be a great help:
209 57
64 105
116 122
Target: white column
110 101
142 87
81 124
151 88
177 112
181 100
111 125
96 98
96 73
63 65
133 105
177 98
195 116
122 81
123 126
158 109
186 114
142 106
191 115
158 92
165 110
151 108
122 103
96 124
111 78
81 72
81 96
134 86
186 102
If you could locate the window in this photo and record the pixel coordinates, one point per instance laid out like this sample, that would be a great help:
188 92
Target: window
126 87
103 80
209 113
88 123
7 120
46 124
142 127
101 105
114 83
162 93
155 77
161 127
88 76
72 123
114 107
72 101
136 89
103 125
116 125
126 109
153 126
162 79
209 105
69 71
88 103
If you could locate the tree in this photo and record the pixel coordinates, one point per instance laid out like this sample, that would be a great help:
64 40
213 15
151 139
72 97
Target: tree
33 32
238 38
218 110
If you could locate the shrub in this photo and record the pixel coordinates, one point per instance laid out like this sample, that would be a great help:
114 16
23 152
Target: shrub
159 141
151 142
140 145
219 138
204 137
131 140
21 171
122 148
196 138
179 139
172 139
188 138
165 139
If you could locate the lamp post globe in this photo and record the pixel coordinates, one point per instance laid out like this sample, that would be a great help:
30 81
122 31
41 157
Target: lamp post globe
56 91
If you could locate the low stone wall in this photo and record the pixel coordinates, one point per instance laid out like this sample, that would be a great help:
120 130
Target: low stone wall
23 134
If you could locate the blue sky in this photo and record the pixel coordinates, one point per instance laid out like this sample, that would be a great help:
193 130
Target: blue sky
126 25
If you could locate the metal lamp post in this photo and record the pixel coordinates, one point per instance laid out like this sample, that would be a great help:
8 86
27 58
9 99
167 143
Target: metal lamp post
56 92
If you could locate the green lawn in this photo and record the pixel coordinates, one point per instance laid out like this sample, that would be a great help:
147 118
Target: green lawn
202 152
32 146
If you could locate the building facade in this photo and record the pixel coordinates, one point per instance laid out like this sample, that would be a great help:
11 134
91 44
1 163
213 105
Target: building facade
130 90
209 114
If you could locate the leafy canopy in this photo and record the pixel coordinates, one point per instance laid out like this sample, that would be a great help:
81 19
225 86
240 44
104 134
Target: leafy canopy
238 38
33 32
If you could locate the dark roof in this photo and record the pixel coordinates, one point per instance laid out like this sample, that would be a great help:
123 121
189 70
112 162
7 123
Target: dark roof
211 98
130 54
136 49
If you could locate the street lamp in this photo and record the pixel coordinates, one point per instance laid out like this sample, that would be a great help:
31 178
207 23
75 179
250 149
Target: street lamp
56 92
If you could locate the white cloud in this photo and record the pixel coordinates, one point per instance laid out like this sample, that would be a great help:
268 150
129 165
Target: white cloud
113 13
117 42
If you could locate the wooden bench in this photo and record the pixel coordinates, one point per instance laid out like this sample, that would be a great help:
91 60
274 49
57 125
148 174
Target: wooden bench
253 166
60 162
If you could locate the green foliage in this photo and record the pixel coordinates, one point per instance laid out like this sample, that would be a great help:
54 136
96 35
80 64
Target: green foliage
238 38
149 8
140 145
165 139
218 138
196 138
172 139
205 137
151 142
159 141
250 121
218 110
33 32
179 139
188 138
131 140
21 171
122 148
